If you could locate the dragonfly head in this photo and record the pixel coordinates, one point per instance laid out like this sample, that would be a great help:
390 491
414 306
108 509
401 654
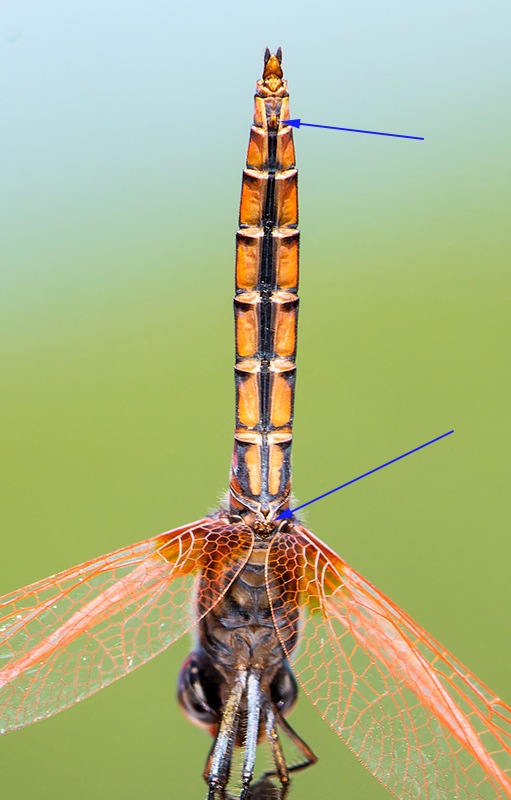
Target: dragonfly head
241 707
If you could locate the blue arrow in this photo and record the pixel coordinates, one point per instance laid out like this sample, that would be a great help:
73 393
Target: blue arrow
288 513
297 123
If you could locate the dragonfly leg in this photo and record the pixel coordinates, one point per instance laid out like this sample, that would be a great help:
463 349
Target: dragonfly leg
251 733
218 765
264 789
277 752
309 758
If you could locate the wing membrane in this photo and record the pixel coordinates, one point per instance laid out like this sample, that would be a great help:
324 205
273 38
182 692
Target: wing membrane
418 719
65 637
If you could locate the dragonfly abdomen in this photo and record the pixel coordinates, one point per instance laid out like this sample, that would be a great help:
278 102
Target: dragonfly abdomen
266 305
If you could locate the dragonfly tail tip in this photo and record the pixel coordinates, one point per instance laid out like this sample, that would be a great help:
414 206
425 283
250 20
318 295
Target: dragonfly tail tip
272 64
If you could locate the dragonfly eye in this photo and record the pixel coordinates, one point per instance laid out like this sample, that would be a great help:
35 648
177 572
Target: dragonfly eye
197 693
284 689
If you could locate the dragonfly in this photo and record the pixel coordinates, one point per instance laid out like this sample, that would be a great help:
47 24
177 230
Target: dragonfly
271 606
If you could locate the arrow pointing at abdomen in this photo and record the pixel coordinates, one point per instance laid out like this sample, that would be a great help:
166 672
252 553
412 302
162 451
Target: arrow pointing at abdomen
297 123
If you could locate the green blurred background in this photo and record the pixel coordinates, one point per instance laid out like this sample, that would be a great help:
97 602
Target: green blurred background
124 132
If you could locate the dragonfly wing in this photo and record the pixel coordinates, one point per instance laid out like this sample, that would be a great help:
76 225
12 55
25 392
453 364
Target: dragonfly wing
65 637
415 716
